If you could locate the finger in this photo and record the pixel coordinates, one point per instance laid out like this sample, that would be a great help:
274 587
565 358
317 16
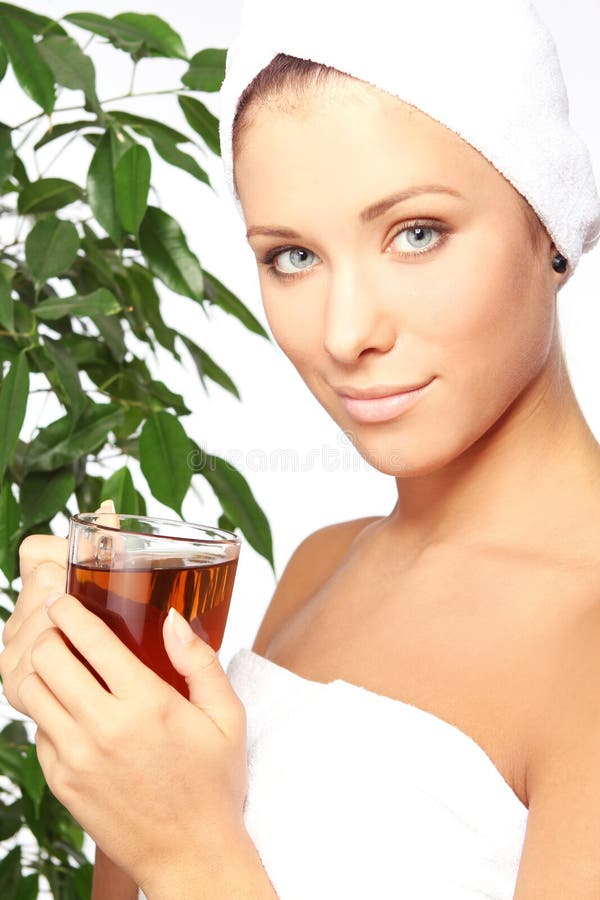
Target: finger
99 544
47 755
40 548
47 578
109 657
209 687
69 680
45 710
107 514
15 659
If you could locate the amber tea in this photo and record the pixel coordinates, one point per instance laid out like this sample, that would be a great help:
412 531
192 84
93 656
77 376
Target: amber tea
131 582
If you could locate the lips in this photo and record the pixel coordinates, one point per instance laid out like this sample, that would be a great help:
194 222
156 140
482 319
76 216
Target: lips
374 393
381 403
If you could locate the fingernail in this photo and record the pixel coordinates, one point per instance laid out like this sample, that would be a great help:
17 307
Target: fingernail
181 629
107 506
51 598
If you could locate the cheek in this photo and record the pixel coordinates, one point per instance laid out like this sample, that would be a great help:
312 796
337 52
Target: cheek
493 337
292 321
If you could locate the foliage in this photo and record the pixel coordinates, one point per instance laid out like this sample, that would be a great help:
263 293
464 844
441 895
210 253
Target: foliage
83 261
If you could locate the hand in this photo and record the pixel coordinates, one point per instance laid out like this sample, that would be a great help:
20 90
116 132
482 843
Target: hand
43 570
156 780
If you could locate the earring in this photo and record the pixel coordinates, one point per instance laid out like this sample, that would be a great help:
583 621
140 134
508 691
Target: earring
559 264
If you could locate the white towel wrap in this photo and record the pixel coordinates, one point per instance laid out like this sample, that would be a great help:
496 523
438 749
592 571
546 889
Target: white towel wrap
488 71
353 795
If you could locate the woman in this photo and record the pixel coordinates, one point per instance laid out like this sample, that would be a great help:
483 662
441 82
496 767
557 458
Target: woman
422 695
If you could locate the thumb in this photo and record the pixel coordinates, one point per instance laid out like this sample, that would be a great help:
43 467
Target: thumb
208 685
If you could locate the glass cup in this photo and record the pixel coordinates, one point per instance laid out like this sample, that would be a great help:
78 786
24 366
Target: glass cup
130 570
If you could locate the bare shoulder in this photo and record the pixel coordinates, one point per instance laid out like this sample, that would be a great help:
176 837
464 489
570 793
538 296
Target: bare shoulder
315 559
560 854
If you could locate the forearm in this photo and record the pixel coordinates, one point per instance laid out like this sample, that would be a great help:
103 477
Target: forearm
110 882
235 872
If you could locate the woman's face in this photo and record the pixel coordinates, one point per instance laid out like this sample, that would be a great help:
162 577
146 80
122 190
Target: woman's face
391 255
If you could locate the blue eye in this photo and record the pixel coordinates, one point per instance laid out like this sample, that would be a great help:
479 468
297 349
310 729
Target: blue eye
294 259
417 238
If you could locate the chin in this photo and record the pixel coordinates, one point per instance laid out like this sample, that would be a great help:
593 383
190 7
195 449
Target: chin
401 457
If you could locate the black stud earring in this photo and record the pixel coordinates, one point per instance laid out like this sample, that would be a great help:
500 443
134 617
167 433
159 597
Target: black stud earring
559 264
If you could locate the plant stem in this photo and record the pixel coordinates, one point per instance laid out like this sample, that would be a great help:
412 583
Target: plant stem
132 82
176 90
24 334
41 116
60 152
30 132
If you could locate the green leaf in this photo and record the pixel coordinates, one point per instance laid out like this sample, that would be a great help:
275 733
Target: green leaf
43 495
50 248
133 384
165 140
14 734
9 527
111 330
132 182
176 157
10 819
151 128
208 368
7 154
154 32
13 403
75 399
35 23
47 195
88 491
225 522
206 71
9 349
120 489
62 128
3 63
71 67
220 296
131 31
100 302
20 172
202 121
81 880
101 189
59 445
142 292
32 779
10 762
10 872
234 494
164 452
31 71
29 888
7 312
167 253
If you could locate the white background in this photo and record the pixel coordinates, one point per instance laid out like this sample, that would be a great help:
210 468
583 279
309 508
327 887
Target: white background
318 478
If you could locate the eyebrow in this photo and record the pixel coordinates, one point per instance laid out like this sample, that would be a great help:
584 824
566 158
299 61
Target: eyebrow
367 215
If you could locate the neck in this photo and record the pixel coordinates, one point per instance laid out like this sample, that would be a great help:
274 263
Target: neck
527 482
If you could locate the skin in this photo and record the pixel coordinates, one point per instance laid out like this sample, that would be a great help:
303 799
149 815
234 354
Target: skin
477 313
96 748
478 316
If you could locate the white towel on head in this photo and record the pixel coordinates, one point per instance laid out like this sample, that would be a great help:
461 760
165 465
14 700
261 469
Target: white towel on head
353 795
488 71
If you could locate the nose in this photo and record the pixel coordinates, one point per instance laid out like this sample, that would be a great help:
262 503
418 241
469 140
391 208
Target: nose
356 319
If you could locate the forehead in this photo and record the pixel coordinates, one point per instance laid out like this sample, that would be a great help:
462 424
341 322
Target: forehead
347 143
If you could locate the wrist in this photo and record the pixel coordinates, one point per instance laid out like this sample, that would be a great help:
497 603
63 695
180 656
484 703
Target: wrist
232 871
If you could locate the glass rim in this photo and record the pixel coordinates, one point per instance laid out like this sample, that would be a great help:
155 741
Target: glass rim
229 536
